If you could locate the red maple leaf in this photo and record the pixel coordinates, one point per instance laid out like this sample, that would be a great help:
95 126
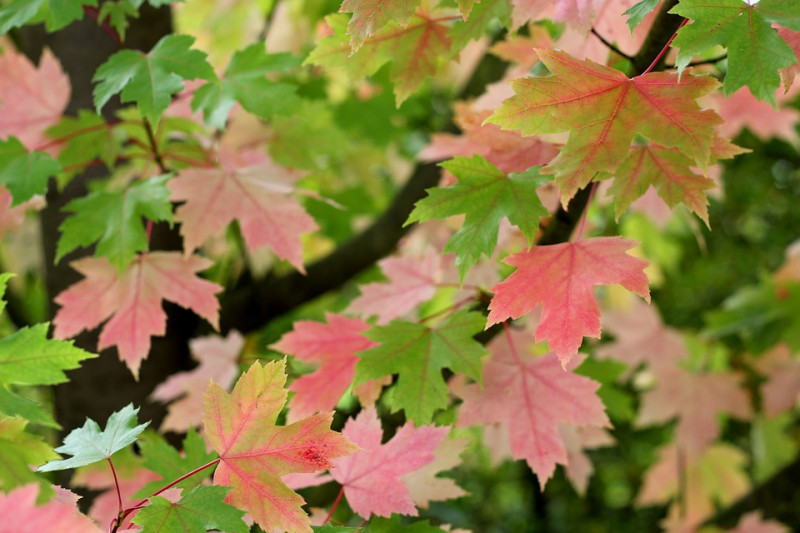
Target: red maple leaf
535 396
21 514
247 187
133 300
334 346
33 99
255 453
372 477
561 278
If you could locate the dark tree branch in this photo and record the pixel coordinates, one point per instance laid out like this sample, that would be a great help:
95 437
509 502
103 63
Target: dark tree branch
611 45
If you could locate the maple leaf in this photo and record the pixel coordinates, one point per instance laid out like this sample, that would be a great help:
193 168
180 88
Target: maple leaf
245 82
753 522
28 357
20 450
199 510
782 372
24 173
369 16
535 396
486 196
576 440
423 485
416 50
638 11
743 110
114 220
561 277
217 357
755 50
789 73
249 188
151 79
33 99
255 453
641 337
373 476
603 110
334 346
21 514
89 444
418 353
134 299
666 169
696 399
84 139
11 218
412 281
719 475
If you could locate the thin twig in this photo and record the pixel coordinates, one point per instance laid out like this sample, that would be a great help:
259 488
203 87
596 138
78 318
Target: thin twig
611 46
707 61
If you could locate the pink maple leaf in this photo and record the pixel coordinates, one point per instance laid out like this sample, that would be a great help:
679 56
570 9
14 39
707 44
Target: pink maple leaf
334 346
12 218
534 396
742 110
425 487
250 188
788 74
577 439
412 280
217 357
561 278
133 300
782 388
372 477
754 522
641 337
696 400
21 514
33 99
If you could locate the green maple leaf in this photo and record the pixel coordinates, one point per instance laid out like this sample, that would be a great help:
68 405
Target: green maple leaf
198 511
481 17
60 13
55 13
638 11
486 196
416 50
245 82
114 219
28 357
151 79
14 405
18 450
88 444
418 354
755 50
24 173
88 137
369 16
166 461
18 12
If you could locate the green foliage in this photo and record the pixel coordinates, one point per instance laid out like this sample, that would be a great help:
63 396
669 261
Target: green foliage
201 509
89 444
755 51
151 79
486 196
418 353
24 173
245 82
638 11
113 219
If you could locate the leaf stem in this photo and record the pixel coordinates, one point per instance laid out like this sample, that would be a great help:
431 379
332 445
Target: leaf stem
116 484
333 507
450 309
611 46
126 512
78 133
94 14
666 47
154 147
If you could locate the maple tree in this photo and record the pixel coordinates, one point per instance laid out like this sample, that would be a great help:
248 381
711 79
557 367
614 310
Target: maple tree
383 260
